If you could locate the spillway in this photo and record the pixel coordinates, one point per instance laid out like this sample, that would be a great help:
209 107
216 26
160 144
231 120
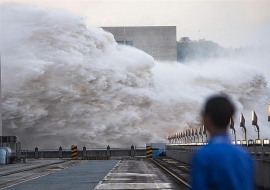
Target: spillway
65 82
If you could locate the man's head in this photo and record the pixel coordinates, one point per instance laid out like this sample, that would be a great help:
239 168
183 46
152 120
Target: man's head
217 113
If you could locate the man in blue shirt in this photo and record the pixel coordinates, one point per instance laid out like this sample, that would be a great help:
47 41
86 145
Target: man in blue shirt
221 165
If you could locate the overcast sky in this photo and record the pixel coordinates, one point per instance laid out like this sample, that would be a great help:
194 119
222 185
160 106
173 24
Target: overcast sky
228 23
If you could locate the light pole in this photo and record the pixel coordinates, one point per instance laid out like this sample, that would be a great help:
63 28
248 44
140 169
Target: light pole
192 136
187 135
196 134
204 132
201 133
233 129
182 137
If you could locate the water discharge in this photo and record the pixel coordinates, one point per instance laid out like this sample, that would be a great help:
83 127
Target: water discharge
64 82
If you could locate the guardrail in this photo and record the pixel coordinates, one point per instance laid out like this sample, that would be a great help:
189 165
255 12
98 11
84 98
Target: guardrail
261 154
84 153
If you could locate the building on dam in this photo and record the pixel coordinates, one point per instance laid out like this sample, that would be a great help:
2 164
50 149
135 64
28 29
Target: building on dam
157 41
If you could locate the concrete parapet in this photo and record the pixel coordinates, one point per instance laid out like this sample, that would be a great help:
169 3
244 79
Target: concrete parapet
184 154
84 153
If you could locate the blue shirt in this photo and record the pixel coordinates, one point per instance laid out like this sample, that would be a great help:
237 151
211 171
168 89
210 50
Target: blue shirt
222 166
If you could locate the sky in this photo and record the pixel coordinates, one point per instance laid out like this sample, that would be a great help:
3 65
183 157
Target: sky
228 23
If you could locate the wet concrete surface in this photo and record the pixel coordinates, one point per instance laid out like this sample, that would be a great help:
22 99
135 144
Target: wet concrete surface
75 174
12 174
138 174
30 164
129 173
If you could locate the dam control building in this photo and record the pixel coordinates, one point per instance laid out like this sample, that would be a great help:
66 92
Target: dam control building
157 41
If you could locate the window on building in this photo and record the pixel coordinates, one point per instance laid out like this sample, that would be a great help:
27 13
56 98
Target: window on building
120 42
129 43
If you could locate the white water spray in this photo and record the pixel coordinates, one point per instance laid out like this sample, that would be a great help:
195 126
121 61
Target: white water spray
65 83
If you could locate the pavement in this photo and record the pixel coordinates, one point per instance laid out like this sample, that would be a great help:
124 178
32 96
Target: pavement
84 175
137 174
29 165
129 173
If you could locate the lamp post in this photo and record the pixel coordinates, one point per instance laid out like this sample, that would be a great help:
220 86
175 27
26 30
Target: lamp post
204 132
184 137
266 147
196 134
255 124
192 135
266 142
201 133
187 136
242 124
250 142
233 129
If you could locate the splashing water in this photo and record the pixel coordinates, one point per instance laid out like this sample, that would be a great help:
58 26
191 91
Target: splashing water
64 83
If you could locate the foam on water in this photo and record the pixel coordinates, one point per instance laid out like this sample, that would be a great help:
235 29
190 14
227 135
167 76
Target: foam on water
64 83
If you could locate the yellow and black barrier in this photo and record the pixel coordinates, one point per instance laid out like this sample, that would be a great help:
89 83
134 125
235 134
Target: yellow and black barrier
74 152
148 151
95 158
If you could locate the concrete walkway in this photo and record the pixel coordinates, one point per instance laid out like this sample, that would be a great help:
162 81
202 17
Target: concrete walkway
83 176
30 164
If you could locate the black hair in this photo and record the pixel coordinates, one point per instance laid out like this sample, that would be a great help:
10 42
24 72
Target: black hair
220 109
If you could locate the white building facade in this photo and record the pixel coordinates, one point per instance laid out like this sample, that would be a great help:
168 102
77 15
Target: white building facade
157 41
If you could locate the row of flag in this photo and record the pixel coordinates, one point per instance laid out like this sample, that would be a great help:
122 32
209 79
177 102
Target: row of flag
188 133
202 131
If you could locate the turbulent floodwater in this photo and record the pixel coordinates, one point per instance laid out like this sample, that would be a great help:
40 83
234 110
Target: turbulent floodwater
64 83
